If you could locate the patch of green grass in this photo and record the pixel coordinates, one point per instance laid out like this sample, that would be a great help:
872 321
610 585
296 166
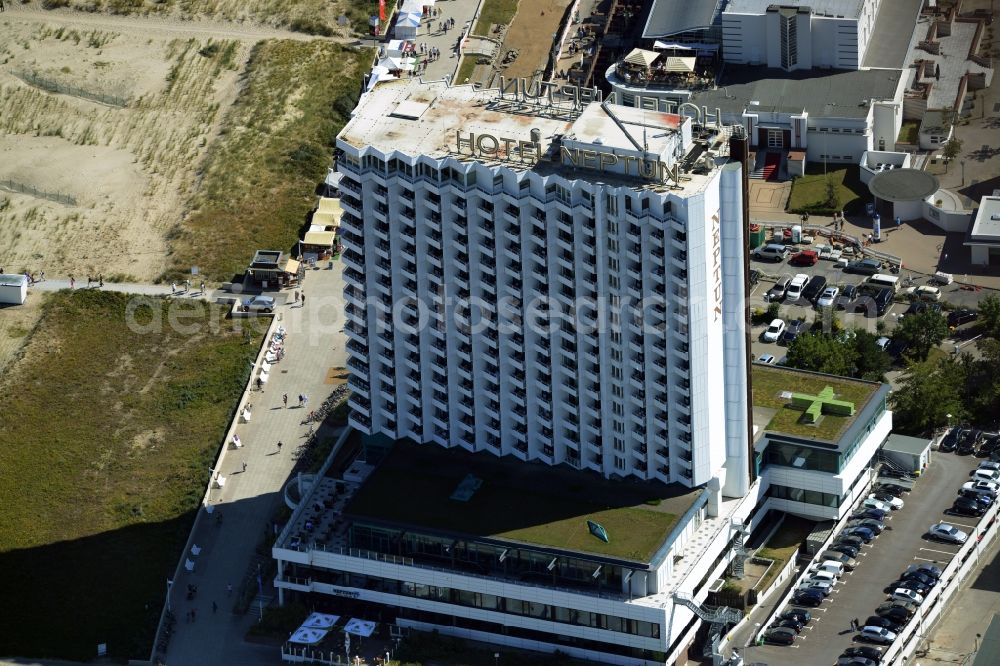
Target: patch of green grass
465 70
782 546
909 131
522 503
809 192
500 12
770 382
260 179
108 432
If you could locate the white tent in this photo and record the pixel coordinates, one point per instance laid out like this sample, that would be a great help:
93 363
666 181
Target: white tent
407 26
397 64
320 621
362 628
307 636
680 64
13 288
379 73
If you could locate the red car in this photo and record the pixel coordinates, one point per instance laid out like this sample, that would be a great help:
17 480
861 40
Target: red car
804 258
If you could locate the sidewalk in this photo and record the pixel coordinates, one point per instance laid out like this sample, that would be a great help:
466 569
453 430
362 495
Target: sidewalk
314 345
445 41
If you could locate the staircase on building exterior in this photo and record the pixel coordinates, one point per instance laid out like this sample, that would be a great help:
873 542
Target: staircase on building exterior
887 462
740 552
716 615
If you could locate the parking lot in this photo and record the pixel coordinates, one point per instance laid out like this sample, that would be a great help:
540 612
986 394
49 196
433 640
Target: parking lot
804 311
880 563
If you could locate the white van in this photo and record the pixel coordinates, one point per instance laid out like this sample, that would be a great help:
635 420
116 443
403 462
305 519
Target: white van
883 280
830 566
796 286
926 293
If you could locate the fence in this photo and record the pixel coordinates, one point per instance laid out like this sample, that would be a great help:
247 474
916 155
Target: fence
30 190
53 86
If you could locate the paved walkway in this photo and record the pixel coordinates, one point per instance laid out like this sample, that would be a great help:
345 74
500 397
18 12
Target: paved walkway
313 347
461 11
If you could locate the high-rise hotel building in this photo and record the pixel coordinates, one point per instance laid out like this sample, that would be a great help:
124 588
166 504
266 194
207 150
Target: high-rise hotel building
543 275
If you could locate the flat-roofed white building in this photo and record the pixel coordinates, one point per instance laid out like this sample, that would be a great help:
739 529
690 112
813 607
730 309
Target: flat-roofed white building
983 238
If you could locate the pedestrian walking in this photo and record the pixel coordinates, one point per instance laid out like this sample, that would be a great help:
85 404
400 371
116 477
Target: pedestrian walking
305 400
187 285
284 399
2 8
215 606
260 385
202 288
302 399
90 280
244 465
72 282
302 300
173 288
42 278
194 614
279 446
100 280
440 26
229 589
296 296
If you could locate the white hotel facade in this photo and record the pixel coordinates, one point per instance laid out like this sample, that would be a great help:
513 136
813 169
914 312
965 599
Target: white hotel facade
509 201
430 232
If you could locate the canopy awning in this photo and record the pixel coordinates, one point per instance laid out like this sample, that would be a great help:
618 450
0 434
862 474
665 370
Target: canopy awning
362 628
323 238
324 220
320 621
328 205
675 64
292 266
667 45
307 636
641 57
397 64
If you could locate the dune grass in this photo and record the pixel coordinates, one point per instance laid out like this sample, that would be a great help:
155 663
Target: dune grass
108 432
260 178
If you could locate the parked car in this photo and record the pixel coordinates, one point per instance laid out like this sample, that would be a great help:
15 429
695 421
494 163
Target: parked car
905 594
812 290
795 287
990 444
777 292
879 635
792 624
864 267
982 487
898 348
876 526
920 576
259 304
894 502
864 533
927 569
766 359
849 562
957 318
871 503
968 441
984 500
907 607
846 549
807 598
774 330
780 636
947 532
855 661
884 622
804 258
771 252
897 614
828 298
950 441
985 475
966 506
795 328
893 489
847 295
914 585
822 586
800 614
991 465
870 513
857 542
754 277
863 651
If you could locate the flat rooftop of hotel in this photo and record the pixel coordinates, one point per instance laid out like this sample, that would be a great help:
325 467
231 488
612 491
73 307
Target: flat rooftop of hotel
522 503
775 410
420 118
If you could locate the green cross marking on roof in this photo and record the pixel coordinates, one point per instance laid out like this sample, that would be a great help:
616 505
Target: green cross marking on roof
822 403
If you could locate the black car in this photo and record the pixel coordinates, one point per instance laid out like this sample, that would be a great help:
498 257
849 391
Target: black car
780 636
896 614
967 441
788 624
894 473
892 489
865 651
877 514
807 598
914 585
965 506
916 307
754 277
857 542
897 348
991 444
872 300
846 549
800 614
795 328
927 569
950 441
963 316
813 288
920 576
846 296
879 621
984 501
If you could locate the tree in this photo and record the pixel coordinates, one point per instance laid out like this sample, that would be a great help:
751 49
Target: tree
989 316
821 352
870 362
952 148
928 393
922 332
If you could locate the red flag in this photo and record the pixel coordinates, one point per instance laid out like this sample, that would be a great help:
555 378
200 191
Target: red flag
381 10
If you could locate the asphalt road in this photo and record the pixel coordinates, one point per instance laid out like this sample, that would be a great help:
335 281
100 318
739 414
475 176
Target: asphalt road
881 562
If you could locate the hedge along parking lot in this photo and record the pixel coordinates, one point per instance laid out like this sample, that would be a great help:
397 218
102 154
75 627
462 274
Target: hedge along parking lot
108 431
902 543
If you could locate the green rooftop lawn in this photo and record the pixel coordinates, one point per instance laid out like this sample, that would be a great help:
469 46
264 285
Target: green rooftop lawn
769 383
529 503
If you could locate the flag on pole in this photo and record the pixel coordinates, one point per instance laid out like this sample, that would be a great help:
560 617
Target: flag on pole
381 10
